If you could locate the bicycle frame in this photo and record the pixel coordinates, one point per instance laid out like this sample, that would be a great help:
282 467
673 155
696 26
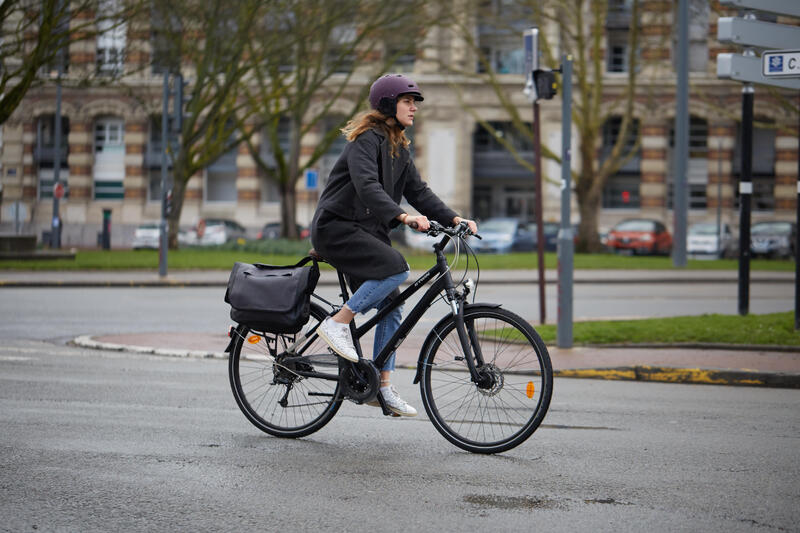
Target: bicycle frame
444 282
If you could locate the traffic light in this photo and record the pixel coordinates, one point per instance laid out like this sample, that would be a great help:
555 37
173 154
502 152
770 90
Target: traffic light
545 82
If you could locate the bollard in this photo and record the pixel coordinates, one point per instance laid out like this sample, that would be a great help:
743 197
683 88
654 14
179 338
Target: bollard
106 240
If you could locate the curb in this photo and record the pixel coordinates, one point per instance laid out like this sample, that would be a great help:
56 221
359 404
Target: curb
86 341
701 376
746 378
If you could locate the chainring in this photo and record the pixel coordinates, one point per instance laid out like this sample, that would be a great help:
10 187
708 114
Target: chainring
360 381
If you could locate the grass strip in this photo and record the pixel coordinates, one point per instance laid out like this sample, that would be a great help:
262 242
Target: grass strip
769 329
224 258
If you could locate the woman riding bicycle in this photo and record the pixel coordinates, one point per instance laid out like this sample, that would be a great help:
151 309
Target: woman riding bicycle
358 208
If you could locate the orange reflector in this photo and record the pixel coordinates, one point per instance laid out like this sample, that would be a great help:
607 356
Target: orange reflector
253 339
529 390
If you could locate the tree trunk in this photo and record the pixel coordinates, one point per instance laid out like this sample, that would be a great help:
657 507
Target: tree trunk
289 210
174 217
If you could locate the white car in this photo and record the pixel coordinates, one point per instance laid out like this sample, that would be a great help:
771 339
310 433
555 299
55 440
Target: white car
702 241
146 236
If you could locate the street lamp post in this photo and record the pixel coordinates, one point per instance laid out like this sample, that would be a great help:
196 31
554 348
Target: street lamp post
55 227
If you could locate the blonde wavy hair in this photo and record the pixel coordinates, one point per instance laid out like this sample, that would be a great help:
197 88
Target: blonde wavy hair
377 120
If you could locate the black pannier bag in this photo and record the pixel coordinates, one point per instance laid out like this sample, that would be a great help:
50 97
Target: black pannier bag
272 299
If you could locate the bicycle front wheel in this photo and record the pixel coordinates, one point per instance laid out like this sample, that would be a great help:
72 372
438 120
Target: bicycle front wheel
283 394
514 394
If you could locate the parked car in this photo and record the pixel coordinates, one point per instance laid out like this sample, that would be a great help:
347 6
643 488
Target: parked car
214 231
640 236
503 235
773 239
550 230
702 240
146 236
272 230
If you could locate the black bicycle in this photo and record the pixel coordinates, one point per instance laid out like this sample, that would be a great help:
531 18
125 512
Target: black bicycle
484 373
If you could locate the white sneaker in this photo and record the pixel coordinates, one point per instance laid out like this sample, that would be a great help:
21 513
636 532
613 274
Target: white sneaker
395 403
338 338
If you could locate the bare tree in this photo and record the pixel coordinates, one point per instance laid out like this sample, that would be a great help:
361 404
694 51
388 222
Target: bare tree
33 34
305 61
579 26
207 40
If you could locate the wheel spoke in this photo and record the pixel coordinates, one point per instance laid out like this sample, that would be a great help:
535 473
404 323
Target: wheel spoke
517 377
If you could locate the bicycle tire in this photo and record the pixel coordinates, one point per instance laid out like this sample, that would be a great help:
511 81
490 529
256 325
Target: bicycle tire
259 381
503 416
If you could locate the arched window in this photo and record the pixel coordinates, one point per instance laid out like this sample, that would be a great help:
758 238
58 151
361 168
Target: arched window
109 158
44 154
501 185
621 191
763 165
697 166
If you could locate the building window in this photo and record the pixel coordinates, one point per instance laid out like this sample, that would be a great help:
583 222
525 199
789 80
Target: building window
164 28
697 166
621 191
221 178
499 36
109 159
341 55
268 178
44 154
110 38
763 198
61 18
152 157
331 155
698 35
617 53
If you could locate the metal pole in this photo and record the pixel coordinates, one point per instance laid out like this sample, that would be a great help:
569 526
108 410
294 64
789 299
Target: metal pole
745 195
162 241
537 145
797 238
565 238
719 197
680 198
55 225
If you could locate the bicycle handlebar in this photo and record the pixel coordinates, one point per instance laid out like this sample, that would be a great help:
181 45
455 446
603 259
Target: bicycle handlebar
460 230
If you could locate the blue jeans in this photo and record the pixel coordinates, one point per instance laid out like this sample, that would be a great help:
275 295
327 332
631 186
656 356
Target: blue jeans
373 294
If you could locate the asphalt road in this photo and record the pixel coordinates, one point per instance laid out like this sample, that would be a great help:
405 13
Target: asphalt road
95 441
64 313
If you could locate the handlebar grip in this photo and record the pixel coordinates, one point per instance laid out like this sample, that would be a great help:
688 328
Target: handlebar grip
413 225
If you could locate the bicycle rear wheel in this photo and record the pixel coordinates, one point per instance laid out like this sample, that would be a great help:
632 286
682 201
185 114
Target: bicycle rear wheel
515 394
282 394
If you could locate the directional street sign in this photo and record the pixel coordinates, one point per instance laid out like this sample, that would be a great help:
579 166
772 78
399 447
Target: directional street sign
781 63
757 33
780 7
748 69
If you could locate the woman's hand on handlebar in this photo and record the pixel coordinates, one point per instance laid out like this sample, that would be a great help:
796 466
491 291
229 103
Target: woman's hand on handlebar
418 222
473 227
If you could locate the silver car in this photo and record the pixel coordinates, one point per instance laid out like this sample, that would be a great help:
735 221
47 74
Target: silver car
702 241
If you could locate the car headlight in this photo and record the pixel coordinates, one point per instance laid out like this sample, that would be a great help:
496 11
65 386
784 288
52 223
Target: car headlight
647 237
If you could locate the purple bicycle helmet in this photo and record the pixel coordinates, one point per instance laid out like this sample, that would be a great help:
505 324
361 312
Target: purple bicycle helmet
387 89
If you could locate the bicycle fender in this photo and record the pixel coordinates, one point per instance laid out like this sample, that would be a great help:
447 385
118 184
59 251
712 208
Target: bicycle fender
434 331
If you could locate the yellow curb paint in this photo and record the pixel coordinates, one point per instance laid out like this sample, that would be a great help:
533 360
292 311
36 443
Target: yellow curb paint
661 374
592 373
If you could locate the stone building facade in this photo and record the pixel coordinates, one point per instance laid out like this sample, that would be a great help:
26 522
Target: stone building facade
112 140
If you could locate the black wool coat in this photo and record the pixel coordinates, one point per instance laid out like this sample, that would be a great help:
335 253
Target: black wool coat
360 203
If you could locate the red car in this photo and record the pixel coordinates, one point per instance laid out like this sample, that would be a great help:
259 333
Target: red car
640 236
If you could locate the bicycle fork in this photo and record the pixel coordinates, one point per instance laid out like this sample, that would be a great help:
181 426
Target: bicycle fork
468 338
